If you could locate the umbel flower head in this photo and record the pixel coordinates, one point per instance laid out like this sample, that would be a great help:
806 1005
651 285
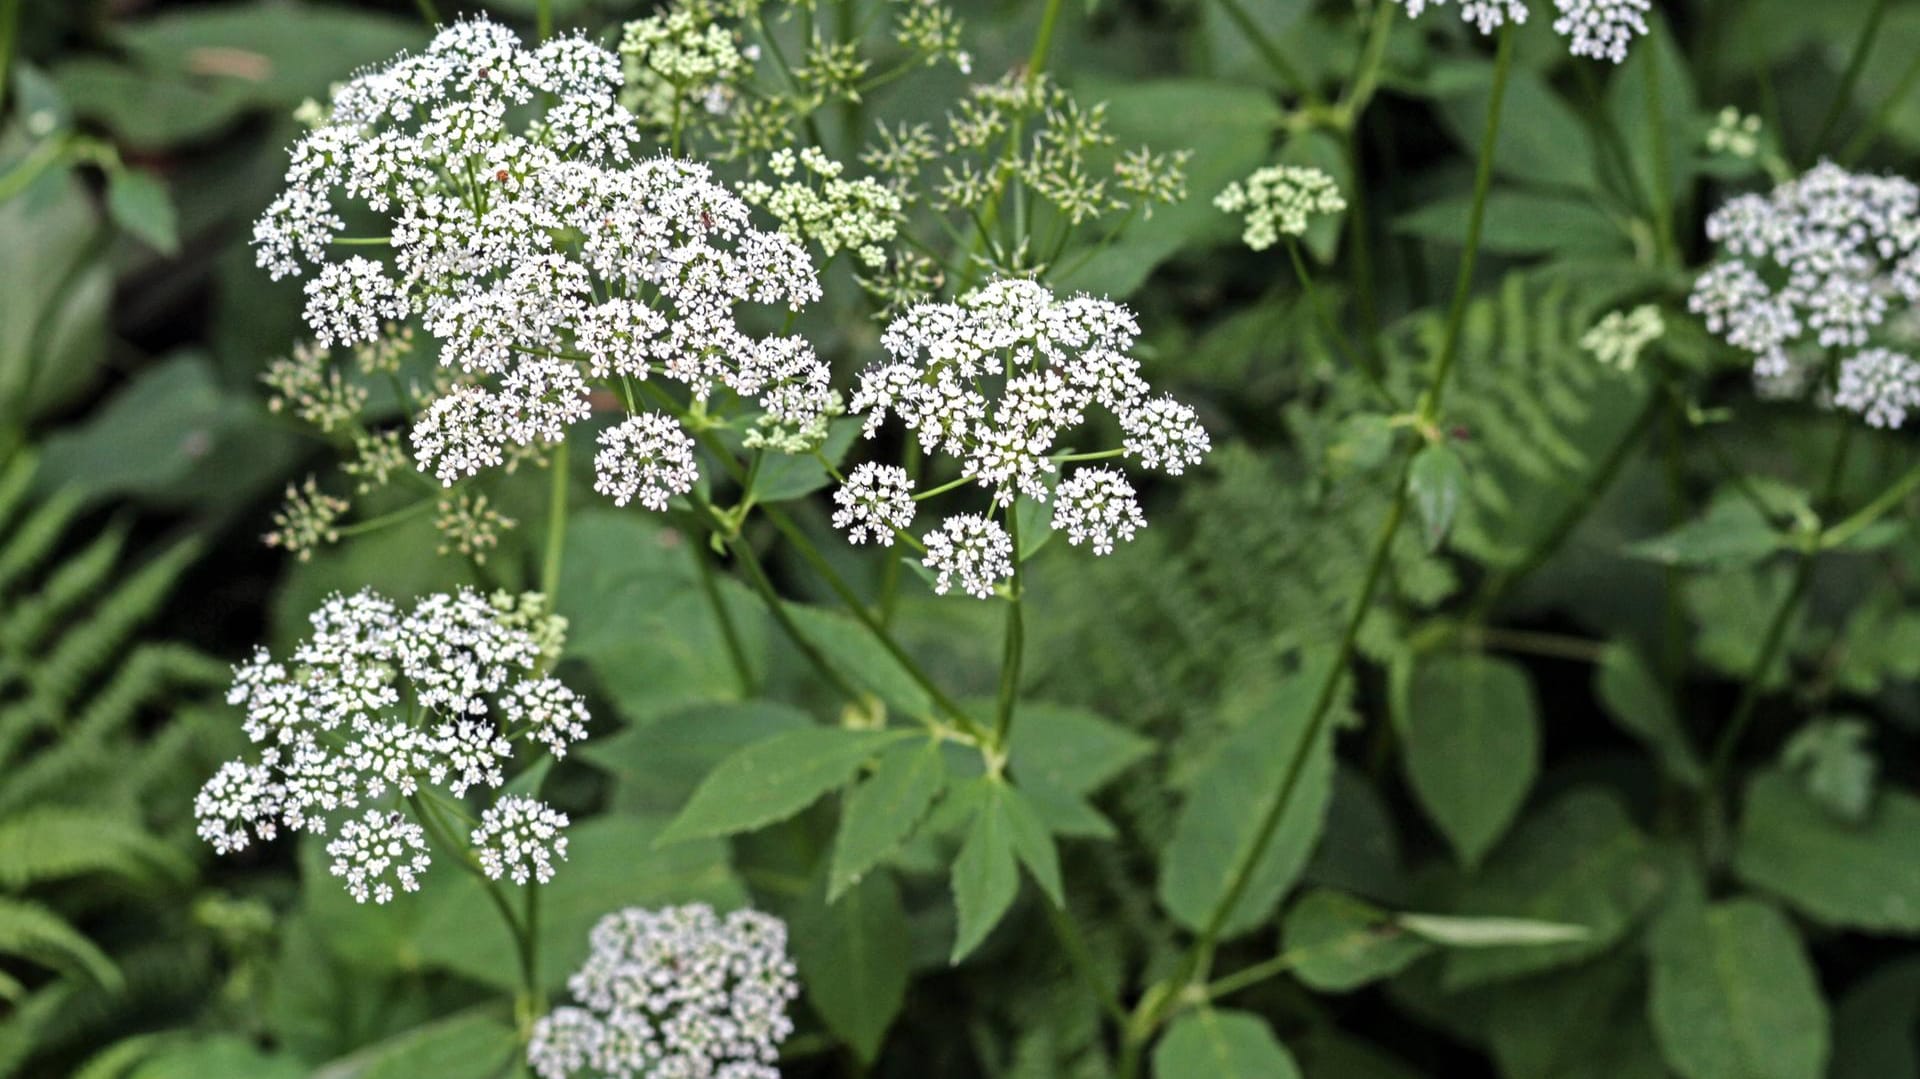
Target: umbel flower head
995 381
675 992
1620 336
377 705
1280 200
544 256
1601 29
1819 266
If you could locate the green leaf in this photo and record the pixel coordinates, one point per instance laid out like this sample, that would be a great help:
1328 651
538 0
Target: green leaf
1210 1043
1437 481
53 312
1071 749
140 204
273 54
1835 766
1536 140
884 810
985 875
1031 841
772 780
853 957
1341 943
1457 931
784 477
848 645
1219 824
1732 534
1518 222
463 1046
1363 443
1679 109
1638 702
1579 862
1733 995
657 767
1873 1029
1472 746
31 931
219 1056
1861 876
612 862
1532 1037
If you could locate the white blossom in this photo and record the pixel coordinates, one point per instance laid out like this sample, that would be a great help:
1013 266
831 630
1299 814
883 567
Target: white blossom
1280 200
550 712
376 851
519 838
1165 434
1096 506
874 503
973 548
1879 384
1601 29
1620 336
647 457
675 992
240 801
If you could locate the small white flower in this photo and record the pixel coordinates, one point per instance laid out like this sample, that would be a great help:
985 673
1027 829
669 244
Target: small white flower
374 852
874 503
240 801
1165 434
647 457
351 302
1487 15
1620 336
519 838
1095 506
973 548
675 992
1879 384
545 708
1280 200
1601 29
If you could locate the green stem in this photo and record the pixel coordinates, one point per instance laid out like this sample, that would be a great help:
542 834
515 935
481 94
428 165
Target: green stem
1366 81
1776 635
1856 63
428 12
1154 1006
710 587
374 524
523 948
1015 644
1863 140
1839 534
1348 354
9 38
1081 957
1664 243
866 618
556 523
1269 51
543 19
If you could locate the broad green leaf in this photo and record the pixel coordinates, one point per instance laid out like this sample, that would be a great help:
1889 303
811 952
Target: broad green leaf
1071 749
772 780
1733 533
1657 71
884 810
657 767
53 312
1219 829
219 1056
1732 610
1861 876
1472 736
273 54
853 957
783 477
1638 702
1539 135
1211 1043
1340 943
1578 861
852 649
985 875
1031 840
1734 996
140 204
1533 1034
612 862
1437 481
1359 848
464 1046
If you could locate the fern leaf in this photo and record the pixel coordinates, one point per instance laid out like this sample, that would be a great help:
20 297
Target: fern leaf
57 677
31 931
35 537
51 843
76 578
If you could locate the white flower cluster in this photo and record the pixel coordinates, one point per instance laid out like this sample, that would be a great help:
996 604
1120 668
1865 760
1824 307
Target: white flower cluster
860 215
377 702
1280 200
532 243
676 992
1822 263
1601 29
994 381
1880 384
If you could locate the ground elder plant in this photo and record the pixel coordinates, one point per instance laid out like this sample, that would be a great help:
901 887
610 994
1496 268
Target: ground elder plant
890 538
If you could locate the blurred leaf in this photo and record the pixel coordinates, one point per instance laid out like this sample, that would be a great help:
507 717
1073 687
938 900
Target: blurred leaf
148 112
783 477
275 53
1578 862
140 204
852 953
1861 876
1518 222
220 1056
1538 137
1734 996
53 312
1436 480
1732 534
1656 69
1874 1025
1532 1039
1342 943
1836 768
612 862
1472 734
884 810
1220 823
772 780
1638 702
1221 1044
656 767
464 1046
848 645
1031 840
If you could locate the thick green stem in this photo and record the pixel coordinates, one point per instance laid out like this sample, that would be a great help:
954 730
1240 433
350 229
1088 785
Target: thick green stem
556 523
1864 518
543 19
1015 645
1856 63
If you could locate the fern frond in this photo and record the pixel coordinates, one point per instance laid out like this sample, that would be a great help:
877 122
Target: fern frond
31 931
118 1060
51 843
75 579
34 539
15 481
